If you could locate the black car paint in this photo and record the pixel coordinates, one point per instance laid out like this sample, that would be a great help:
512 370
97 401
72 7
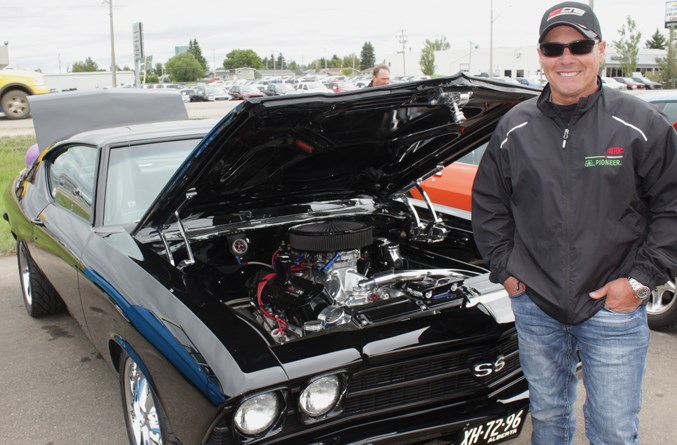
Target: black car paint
126 296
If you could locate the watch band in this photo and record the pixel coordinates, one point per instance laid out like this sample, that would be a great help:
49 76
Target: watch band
642 292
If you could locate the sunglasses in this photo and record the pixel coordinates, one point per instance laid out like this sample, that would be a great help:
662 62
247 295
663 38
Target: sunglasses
577 48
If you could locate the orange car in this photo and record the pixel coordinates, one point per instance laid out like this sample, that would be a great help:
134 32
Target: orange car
452 187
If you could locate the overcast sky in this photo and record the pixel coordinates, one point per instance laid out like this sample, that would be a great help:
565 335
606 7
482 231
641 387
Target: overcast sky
51 35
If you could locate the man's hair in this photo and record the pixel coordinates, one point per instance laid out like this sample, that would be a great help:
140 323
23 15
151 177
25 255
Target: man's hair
378 68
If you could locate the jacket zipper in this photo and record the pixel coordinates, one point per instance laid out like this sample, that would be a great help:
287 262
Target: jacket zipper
567 196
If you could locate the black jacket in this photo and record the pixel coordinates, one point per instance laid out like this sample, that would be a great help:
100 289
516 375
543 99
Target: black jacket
566 209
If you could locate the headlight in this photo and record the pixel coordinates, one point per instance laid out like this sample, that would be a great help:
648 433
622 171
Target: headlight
320 396
257 414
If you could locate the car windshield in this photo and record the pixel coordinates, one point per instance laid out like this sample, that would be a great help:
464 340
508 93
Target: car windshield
249 89
136 174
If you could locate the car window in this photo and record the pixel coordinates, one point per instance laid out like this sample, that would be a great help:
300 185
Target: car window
475 156
72 176
136 174
669 108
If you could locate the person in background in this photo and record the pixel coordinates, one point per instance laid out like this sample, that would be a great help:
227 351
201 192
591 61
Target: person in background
575 211
380 76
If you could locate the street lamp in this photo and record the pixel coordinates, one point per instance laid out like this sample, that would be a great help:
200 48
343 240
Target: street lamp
112 42
472 46
491 38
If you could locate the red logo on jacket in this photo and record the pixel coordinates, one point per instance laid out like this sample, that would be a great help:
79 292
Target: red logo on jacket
615 150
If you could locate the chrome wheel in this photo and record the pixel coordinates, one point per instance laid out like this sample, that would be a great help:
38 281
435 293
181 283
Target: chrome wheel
662 299
661 310
39 296
25 275
141 411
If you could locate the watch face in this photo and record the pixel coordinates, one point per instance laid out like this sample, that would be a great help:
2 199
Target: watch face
643 292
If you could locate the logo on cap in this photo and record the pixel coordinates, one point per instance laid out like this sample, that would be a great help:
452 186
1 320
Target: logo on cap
566 11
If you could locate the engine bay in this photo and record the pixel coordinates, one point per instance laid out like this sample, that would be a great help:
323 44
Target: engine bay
304 279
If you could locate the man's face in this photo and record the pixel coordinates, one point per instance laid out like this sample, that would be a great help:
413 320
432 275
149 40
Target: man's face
382 78
571 77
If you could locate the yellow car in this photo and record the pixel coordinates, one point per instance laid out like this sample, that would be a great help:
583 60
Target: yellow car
15 87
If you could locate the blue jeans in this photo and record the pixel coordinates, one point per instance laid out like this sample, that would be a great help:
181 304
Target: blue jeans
612 347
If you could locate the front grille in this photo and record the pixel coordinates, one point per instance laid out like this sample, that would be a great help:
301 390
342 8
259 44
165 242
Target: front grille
444 377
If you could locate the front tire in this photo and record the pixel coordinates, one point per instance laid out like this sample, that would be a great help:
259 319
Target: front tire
662 308
39 296
15 105
144 419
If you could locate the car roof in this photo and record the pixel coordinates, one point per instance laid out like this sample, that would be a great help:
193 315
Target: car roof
659 96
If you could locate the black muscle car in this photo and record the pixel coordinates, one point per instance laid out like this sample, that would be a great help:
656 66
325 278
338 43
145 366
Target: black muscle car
267 280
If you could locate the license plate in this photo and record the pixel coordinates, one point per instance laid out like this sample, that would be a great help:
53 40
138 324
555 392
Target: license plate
493 431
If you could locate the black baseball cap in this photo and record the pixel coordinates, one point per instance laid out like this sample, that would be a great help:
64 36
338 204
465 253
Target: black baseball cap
577 15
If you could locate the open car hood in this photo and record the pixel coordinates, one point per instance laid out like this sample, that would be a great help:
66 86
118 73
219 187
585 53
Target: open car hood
296 149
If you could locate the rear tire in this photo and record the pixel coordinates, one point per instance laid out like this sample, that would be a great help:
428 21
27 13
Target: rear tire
39 296
662 308
14 104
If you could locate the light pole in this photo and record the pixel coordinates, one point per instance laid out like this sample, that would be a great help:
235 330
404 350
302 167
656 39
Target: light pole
472 46
403 40
491 38
112 42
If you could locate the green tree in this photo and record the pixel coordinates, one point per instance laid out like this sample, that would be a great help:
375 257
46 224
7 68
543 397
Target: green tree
367 57
349 62
239 58
87 66
280 63
427 60
184 68
627 46
657 41
194 49
667 66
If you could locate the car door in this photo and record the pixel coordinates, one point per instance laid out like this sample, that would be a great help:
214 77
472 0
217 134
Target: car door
62 228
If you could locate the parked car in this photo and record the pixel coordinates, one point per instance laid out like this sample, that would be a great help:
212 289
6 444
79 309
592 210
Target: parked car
216 93
534 82
313 87
613 83
15 87
631 84
665 100
187 93
244 92
277 285
648 84
450 190
279 89
340 86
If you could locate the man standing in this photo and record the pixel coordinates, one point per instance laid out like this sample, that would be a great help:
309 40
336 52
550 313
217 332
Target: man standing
380 76
575 211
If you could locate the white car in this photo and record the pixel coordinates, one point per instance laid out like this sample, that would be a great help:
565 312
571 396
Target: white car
614 84
313 87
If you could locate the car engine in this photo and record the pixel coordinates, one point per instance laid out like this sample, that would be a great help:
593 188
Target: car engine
336 273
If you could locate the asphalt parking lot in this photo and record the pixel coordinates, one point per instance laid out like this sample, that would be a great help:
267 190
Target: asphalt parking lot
57 390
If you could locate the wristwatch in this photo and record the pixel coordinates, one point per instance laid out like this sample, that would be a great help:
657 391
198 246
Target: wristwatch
642 292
